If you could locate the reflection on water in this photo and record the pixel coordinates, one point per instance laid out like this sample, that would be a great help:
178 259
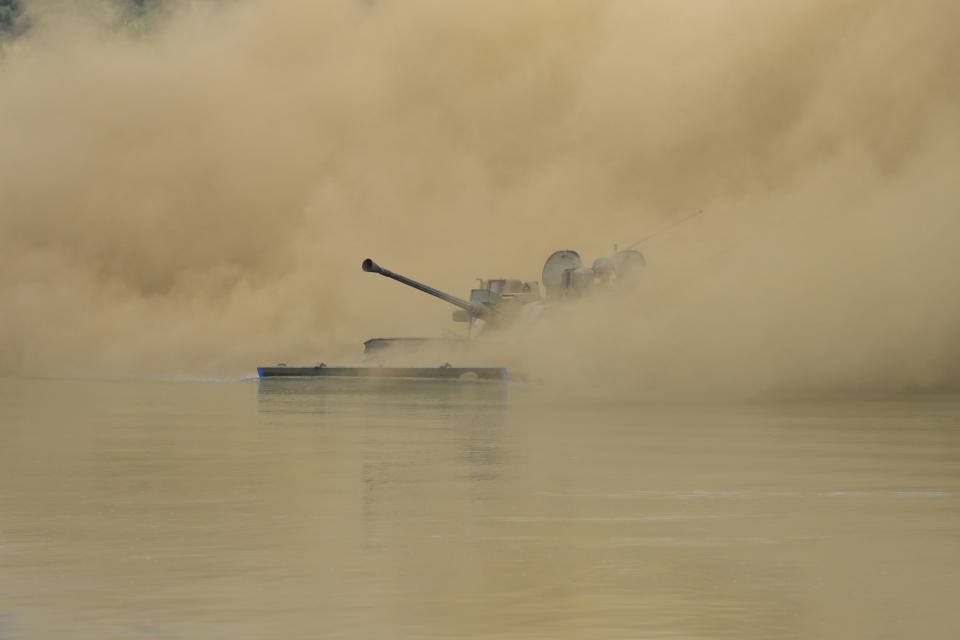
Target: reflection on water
438 509
400 419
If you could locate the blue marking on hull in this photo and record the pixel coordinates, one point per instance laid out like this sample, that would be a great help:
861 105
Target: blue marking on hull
259 373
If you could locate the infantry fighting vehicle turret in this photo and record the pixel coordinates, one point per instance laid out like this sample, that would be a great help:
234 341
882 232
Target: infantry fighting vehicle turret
493 306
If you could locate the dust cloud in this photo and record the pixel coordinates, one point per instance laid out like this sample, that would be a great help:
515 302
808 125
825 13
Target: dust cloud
194 197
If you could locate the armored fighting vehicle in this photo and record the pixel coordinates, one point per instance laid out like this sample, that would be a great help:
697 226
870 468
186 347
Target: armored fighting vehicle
493 306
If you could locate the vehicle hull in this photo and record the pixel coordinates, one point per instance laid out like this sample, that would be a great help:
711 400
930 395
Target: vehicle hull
435 373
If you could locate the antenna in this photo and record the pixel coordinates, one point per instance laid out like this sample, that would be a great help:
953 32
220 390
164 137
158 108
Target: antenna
665 227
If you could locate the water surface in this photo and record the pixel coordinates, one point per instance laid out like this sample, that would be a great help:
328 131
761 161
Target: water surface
425 509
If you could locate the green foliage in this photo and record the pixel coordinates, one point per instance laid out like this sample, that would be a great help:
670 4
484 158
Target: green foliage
10 14
13 22
144 6
139 15
134 16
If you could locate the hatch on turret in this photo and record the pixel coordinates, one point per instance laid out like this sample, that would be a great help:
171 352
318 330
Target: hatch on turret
554 268
503 286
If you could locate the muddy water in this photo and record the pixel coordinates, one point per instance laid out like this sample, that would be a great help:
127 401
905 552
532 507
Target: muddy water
360 509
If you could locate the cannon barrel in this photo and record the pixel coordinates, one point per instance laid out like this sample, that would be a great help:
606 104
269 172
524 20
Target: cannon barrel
475 309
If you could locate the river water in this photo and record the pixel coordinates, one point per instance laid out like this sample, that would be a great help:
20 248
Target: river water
404 509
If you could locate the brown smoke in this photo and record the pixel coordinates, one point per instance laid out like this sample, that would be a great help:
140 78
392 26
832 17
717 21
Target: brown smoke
195 198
